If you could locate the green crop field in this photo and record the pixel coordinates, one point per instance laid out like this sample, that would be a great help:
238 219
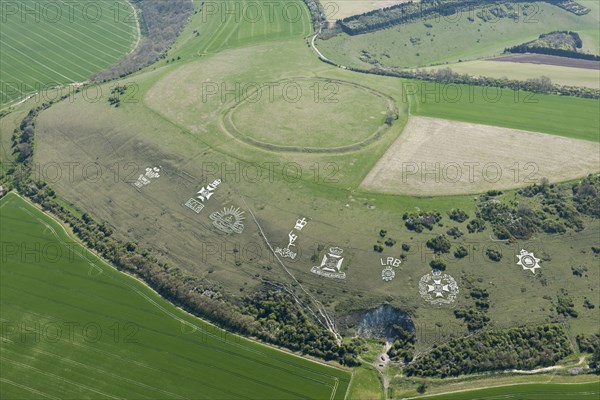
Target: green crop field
534 391
223 25
451 39
556 115
523 71
125 341
50 43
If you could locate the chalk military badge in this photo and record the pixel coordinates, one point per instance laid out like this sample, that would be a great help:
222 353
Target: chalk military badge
437 288
528 261
331 264
229 220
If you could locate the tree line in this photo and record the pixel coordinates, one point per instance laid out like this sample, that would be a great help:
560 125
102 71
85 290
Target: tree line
542 85
526 48
411 11
540 207
515 348
556 43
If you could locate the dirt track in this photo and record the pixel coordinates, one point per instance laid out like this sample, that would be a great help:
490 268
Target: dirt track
441 157
549 60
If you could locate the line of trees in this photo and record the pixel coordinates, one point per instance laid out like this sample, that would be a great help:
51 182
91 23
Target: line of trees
402 13
542 85
410 11
525 48
316 12
516 348
557 43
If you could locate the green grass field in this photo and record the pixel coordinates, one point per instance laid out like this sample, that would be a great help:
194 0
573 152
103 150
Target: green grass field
126 341
365 385
523 71
50 43
322 105
223 25
452 39
591 37
564 116
534 391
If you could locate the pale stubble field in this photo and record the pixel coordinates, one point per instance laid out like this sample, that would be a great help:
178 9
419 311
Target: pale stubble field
443 157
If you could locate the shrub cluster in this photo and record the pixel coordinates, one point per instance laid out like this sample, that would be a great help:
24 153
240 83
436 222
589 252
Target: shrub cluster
416 221
541 207
520 348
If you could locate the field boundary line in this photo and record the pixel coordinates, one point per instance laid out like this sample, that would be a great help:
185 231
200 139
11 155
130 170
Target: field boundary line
349 385
138 28
495 386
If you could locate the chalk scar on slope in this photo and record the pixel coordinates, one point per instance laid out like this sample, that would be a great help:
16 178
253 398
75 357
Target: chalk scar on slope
441 157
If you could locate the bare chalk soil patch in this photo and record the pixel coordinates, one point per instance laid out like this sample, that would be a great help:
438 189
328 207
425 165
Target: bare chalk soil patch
441 157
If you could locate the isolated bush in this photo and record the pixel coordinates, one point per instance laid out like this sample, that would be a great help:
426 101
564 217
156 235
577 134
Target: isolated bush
566 307
458 215
454 232
416 221
476 225
437 264
461 252
439 244
493 255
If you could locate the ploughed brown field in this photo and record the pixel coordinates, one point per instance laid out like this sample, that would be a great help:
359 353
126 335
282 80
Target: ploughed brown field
549 60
